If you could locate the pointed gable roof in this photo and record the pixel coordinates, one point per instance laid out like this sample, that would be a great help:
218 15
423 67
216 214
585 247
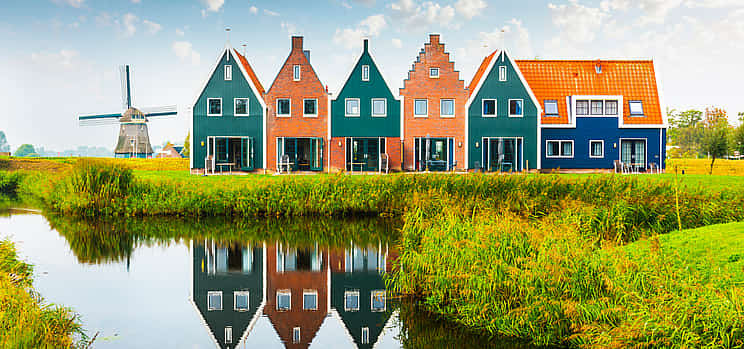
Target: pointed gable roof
632 79
250 72
485 69
479 73
365 53
301 57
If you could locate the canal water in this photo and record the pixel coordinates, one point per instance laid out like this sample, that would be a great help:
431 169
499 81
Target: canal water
142 283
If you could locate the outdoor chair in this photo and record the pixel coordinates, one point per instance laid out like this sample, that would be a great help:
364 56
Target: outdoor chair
284 164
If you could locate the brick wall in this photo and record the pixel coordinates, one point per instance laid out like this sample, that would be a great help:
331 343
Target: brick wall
420 86
296 125
338 154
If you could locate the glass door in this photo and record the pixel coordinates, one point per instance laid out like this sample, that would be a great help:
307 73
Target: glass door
316 148
633 153
246 154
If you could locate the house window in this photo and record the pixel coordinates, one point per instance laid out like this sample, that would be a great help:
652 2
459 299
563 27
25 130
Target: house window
214 300
379 107
214 107
378 300
516 108
610 107
551 108
447 108
502 73
310 300
241 300
597 108
365 335
559 149
241 107
228 72
582 107
420 107
296 70
283 300
310 107
228 334
636 108
296 335
365 73
489 107
352 107
596 149
351 300
434 73
283 107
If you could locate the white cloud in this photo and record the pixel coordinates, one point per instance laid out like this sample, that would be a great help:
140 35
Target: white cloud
271 13
290 28
214 5
470 8
253 10
397 43
129 23
73 3
576 22
180 32
655 11
67 59
422 15
370 26
368 3
345 4
185 52
151 27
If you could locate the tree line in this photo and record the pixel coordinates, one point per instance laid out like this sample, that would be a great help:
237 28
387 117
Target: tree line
704 134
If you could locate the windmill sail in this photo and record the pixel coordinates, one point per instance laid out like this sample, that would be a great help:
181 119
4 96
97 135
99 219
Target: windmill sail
164 111
125 74
99 119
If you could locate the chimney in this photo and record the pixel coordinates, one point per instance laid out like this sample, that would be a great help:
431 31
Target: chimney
366 45
434 39
307 55
296 43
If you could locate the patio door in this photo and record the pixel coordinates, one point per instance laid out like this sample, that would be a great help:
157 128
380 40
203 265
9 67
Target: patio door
502 154
434 154
633 152
316 148
363 154
246 154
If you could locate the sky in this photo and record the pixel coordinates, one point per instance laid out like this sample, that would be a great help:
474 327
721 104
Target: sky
60 58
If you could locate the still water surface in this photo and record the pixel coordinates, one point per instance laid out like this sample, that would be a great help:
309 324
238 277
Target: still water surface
206 284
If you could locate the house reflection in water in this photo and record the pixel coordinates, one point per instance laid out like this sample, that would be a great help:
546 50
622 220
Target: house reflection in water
228 288
296 288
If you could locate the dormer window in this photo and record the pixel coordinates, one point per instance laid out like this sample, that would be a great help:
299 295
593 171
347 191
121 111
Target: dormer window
636 108
296 70
365 73
228 72
434 73
610 107
502 73
551 108
597 108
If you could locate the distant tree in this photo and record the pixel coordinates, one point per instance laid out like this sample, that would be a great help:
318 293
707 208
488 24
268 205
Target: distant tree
715 136
4 146
25 150
737 136
187 146
686 131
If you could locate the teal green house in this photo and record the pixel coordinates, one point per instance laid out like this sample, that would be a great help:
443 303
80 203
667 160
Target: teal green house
502 125
365 120
228 119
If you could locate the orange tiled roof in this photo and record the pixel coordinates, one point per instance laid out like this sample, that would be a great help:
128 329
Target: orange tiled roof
634 80
479 73
251 73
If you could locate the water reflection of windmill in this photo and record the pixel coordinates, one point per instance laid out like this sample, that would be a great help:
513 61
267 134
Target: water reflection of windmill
134 140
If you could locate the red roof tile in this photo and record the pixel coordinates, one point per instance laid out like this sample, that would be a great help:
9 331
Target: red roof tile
251 73
634 80
479 73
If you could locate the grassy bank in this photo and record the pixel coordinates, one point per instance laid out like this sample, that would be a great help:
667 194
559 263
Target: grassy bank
550 282
25 321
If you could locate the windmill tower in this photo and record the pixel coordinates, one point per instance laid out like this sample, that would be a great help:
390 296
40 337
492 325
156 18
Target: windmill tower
134 140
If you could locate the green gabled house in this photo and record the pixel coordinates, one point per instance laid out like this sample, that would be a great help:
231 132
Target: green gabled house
228 120
365 120
502 124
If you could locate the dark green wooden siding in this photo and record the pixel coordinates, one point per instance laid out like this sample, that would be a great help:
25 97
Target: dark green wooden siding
228 124
502 125
365 125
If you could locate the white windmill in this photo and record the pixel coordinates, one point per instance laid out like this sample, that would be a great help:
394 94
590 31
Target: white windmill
134 140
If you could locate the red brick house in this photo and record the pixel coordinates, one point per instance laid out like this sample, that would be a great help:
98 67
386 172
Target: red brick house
297 118
434 115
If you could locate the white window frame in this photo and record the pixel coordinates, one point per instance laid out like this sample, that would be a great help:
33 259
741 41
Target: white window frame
573 107
434 69
617 107
502 73
247 106
296 72
296 335
372 104
427 108
346 107
209 99
545 105
365 335
516 115
352 293
228 72
560 148
209 294
371 300
277 108
245 293
588 107
365 73
228 338
306 293
591 107
316 108
495 108
630 109
601 141
283 292
441 100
